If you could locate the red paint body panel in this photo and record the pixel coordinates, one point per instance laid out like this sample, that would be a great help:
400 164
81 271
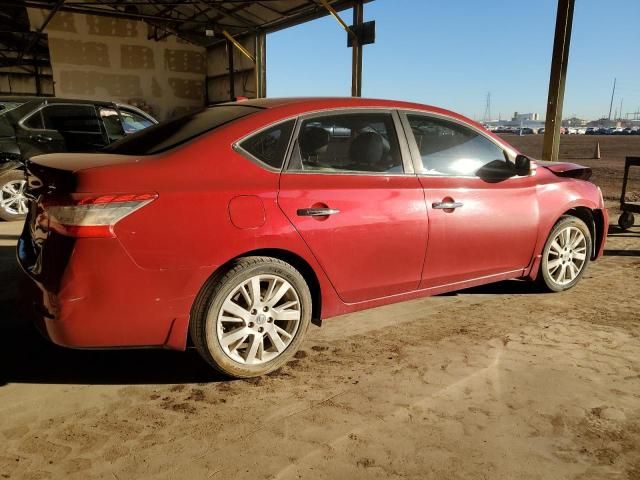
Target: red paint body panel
375 245
493 232
247 211
387 244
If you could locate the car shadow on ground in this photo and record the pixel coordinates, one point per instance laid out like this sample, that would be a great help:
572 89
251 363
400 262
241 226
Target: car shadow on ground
506 287
621 253
26 357
617 232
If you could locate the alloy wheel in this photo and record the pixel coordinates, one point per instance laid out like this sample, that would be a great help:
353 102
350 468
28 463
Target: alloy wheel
12 199
567 255
258 319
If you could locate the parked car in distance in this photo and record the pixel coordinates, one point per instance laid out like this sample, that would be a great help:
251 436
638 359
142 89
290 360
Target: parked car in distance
526 131
32 126
236 226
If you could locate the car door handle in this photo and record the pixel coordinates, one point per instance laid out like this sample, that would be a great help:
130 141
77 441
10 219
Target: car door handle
316 212
41 138
446 205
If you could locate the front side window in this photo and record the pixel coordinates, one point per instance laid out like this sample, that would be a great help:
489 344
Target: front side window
71 118
451 149
270 145
349 142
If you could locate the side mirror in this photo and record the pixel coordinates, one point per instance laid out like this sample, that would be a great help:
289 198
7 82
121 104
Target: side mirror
496 171
523 166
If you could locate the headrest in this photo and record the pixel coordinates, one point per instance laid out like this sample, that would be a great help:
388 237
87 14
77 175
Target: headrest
367 147
312 140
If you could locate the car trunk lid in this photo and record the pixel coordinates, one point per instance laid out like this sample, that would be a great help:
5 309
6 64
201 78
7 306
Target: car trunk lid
59 213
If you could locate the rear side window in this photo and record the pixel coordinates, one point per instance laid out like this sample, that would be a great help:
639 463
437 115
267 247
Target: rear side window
350 142
172 133
35 121
71 118
133 122
270 145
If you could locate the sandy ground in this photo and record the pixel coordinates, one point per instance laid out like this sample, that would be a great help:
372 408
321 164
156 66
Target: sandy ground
498 382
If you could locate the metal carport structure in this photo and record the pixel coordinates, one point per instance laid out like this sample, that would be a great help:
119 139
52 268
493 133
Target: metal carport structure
219 26
222 26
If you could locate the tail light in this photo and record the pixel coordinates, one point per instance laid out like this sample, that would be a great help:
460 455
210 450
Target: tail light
83 217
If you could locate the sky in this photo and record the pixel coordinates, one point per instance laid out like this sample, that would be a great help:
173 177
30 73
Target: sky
452 53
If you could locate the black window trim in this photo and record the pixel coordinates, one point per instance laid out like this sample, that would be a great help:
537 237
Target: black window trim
47 104
237 147
510 153
405 153
103 125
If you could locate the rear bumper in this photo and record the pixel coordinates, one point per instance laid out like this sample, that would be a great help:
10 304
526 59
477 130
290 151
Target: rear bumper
97 297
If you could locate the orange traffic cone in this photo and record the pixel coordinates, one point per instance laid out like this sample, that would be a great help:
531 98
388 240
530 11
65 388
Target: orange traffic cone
596 152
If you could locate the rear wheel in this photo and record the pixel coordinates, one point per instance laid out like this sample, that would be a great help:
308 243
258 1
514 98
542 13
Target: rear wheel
13 203
251 319
565 255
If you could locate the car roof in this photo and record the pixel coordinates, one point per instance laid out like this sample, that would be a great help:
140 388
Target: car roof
329 102
300 105
27 99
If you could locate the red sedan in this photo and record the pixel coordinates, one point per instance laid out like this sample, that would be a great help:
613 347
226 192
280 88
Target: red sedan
237 226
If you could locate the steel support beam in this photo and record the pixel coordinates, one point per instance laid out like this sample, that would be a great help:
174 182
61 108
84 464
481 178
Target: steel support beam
356 54
238 45
232 79
36 35
261 65
557 79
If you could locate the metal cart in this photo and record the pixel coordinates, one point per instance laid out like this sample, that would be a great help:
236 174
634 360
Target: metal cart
628 208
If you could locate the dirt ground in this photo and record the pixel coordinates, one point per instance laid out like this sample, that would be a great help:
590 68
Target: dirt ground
497 382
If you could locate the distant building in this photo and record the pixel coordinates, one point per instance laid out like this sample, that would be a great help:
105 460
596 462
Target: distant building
519 117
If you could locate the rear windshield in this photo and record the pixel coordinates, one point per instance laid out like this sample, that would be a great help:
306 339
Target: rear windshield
172 133
6 128
8 106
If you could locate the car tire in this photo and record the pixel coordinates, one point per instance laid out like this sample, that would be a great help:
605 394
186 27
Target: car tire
251 318
12 202
566 255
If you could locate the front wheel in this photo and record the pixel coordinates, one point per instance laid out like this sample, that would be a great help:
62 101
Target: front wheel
565 255
251 319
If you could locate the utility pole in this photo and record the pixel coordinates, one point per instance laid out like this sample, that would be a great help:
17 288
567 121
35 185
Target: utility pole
612 94
487 109
621 108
